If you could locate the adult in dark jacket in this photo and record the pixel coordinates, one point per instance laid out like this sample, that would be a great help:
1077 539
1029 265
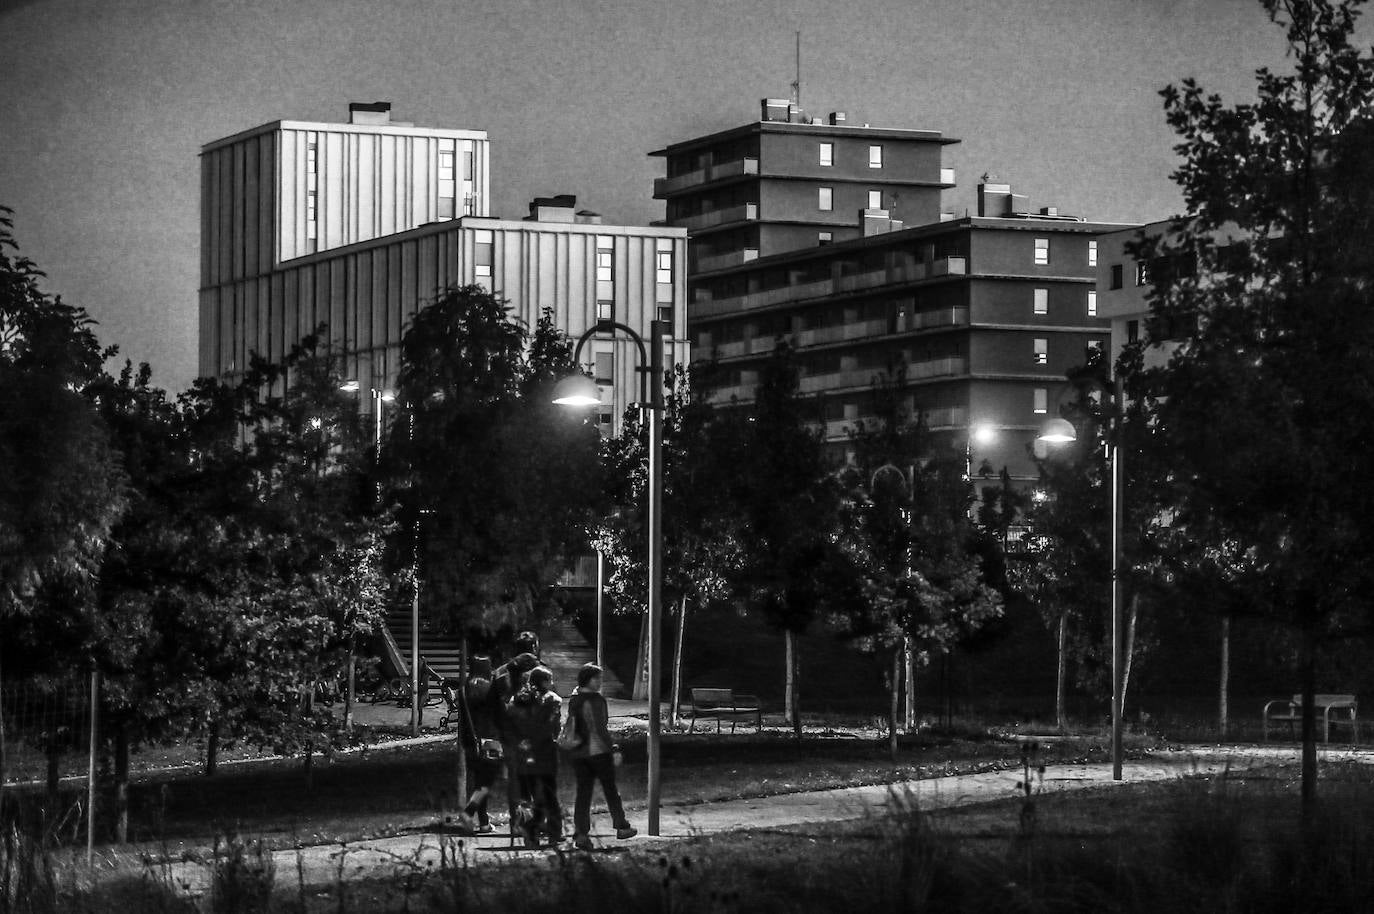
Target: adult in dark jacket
594 760
482 760
533 715
505 684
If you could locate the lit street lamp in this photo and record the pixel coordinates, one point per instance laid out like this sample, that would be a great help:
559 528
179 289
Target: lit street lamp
1061 431
580 390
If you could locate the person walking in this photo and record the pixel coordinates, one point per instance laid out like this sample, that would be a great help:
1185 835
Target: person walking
594 758
506 683
482 745
534 714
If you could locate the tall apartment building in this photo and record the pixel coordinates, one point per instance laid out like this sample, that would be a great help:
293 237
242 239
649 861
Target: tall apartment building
787 182
358 226
832 237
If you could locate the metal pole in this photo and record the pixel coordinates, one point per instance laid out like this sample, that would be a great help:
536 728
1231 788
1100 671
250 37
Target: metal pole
600 601
415 652
656 330
1116 474
90 767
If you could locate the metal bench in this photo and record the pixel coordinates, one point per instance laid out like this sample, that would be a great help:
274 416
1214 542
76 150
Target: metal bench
720 703
1330 709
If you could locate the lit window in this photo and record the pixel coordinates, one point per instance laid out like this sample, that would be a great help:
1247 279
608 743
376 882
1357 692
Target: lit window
481 253
1092 303
1042 250
605 265
663 258
1142 272
875 157
605 270
605 310
1042 351
1042 400
445 166
825 199
875 199
1094 350
825 237
1042 301
827 153
1092 253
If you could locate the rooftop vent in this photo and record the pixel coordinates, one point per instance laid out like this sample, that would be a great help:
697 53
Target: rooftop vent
373 113
558 208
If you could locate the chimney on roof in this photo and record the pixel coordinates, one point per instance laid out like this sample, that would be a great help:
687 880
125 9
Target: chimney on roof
994 199
373 113
877 222
836 118
558 208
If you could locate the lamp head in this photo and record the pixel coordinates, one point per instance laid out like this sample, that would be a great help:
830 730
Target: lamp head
350 386
576 390
1057 431
984 434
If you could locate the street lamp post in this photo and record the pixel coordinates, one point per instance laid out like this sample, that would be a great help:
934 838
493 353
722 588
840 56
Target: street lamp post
580 390
1061 431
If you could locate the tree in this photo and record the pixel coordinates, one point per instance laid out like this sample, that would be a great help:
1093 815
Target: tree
909 536
700 530
1266 406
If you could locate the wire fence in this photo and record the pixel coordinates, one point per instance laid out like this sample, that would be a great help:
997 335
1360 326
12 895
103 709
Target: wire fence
47 730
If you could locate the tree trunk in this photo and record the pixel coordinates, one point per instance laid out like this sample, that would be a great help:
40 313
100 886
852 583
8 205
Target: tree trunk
212 749
676 708
121 782
1309 724
1061 672
896 692
789 669
1129 650
466 732
54 757
1224 696
640 689
909 665
352 683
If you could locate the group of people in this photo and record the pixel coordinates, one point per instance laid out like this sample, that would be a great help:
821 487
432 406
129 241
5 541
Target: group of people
516 720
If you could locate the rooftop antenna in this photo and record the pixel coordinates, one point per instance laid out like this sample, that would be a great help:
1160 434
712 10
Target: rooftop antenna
796 83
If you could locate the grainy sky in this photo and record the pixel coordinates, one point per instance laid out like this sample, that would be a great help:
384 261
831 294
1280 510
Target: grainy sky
104 105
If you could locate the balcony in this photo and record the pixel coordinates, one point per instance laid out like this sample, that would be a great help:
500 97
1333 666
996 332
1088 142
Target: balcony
746 347
738 168
747 212
863 377
839 332
706 264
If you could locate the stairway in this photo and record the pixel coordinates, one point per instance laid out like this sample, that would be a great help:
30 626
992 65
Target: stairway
563 650
442 652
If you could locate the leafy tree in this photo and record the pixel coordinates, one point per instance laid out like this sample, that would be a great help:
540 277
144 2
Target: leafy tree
700 526
1266 406
908 531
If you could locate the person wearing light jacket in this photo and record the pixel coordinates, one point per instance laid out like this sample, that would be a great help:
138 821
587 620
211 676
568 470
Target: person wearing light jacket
594 758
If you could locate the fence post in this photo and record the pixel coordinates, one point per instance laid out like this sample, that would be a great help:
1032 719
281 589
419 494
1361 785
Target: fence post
90 767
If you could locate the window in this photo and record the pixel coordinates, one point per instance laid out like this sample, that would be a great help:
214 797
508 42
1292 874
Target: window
665 313
605 270
825 199
875 199
1142 272
605 311
825 237
1042 301
875 156
312 229
446 183
1042 250
481 254
827 154
467 164
1092 303
1042 400
1116 276
663 261
1132 331
1092 253
1042 351
605 368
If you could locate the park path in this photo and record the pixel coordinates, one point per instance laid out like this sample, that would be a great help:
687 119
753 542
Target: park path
408 853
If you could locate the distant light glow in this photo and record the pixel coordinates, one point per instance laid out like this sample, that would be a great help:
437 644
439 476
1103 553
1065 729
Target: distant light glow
350 386
984 434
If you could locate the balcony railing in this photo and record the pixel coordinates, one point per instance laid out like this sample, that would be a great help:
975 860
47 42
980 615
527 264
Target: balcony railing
948 266
665 186
747 212
706 264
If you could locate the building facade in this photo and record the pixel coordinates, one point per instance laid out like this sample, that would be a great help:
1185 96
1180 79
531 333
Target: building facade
378 258
789 182
978 319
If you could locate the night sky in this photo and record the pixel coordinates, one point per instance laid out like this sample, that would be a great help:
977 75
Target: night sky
104 105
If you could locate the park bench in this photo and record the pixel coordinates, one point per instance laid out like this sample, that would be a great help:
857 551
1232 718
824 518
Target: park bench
719 703
1330 709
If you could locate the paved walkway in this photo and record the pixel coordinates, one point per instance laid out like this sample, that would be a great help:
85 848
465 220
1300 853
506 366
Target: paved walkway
383 857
